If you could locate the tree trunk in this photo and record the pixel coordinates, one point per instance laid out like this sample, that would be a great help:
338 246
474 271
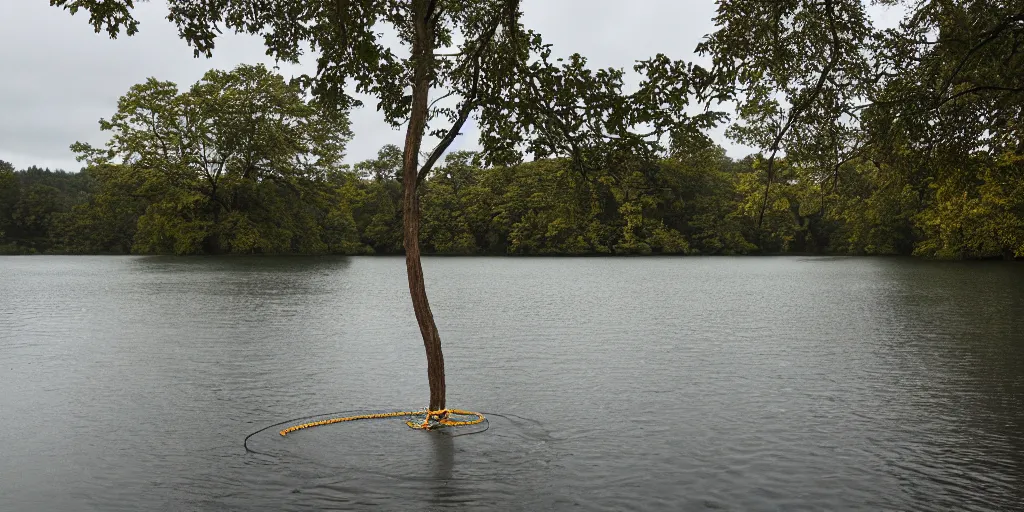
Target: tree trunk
421 51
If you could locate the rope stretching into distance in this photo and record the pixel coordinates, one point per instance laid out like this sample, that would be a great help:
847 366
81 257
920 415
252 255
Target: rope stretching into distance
441 419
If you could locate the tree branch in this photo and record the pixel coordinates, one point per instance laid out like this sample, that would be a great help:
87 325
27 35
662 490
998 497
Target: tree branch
994 33
468 105
979 88
550 115
797 110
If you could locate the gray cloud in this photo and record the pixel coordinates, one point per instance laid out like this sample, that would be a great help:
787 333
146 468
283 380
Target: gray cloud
59 77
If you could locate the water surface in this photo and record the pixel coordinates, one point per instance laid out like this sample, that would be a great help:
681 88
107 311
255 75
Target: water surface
128 383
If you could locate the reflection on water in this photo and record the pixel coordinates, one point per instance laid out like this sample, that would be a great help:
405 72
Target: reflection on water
662 383
442 462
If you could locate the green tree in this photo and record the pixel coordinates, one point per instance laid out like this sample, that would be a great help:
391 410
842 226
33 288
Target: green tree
107 220
33 201
951 80
701 198
381 203
931 103
340 227
978 218
224 163
796 69
452 200
873 209
945 117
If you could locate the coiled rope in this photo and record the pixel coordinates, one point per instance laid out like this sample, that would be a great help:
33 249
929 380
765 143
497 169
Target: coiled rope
349 417
431 419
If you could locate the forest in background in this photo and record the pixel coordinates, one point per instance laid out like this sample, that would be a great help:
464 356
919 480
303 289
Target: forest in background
905 140
695 201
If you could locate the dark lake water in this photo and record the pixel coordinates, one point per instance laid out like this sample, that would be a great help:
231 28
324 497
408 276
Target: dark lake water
656 384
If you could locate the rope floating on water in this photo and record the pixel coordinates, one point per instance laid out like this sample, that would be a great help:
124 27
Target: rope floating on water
441 419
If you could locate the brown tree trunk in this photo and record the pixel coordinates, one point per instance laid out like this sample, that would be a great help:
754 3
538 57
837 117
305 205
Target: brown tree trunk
422 54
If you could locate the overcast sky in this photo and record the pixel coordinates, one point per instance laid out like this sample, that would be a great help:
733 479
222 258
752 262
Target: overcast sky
58 77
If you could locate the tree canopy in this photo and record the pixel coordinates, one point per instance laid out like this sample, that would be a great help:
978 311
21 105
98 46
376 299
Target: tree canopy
933 104
225 166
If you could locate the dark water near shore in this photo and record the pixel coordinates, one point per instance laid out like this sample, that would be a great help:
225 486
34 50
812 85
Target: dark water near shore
659 384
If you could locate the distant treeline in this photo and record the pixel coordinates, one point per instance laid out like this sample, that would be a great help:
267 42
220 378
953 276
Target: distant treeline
696 201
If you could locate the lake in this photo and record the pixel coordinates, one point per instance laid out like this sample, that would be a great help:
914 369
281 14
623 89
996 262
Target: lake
789 383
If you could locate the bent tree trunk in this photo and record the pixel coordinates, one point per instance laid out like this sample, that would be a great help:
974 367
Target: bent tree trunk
421 51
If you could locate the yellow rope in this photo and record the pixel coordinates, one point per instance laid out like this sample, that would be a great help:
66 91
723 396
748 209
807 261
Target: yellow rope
440 416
